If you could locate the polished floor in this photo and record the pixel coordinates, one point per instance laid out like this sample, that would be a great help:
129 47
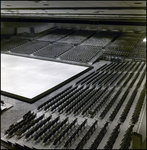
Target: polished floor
29 77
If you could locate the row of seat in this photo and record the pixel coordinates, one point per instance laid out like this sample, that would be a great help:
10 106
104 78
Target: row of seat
69 99
47 131
45 128
65 99
99 137
128 105
42 128
87 136
75 134
111 102
119 47
84 102
105 68
53 50
12 43
32 36
29 125
55 35
56 97
118 106
125 42
112 137
92 74
80 99
65 132
81 53
124 45
126 141
72 99
101 38
35 128
30 48
88 101
77 37
139 105
102 73
140 52
55 130
15 127
117 53
99 102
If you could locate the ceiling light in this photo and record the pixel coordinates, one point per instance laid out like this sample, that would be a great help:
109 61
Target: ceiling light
144 40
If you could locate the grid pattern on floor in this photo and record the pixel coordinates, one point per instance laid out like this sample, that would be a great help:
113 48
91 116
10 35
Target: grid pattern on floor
77 37
53 50
101 38
81 53
55 35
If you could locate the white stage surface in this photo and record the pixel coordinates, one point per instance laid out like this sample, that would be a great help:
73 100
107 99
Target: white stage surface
29 77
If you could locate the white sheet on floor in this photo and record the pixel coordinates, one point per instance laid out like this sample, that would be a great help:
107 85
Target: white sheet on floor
30 77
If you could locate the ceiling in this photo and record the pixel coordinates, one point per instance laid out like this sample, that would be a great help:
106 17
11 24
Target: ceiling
50 4
91 10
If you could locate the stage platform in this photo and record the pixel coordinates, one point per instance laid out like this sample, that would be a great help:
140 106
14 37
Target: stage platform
28 79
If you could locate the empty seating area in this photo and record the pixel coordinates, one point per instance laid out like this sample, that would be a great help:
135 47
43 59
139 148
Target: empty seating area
53 50
98 108
81 53
125 42
76 45
116 53
49 129
32 36
7 40
55 35
77 37
30 47
123 45
101 38
25 35
140 52
12 43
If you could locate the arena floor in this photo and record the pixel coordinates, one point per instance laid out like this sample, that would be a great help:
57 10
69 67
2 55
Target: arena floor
29 77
